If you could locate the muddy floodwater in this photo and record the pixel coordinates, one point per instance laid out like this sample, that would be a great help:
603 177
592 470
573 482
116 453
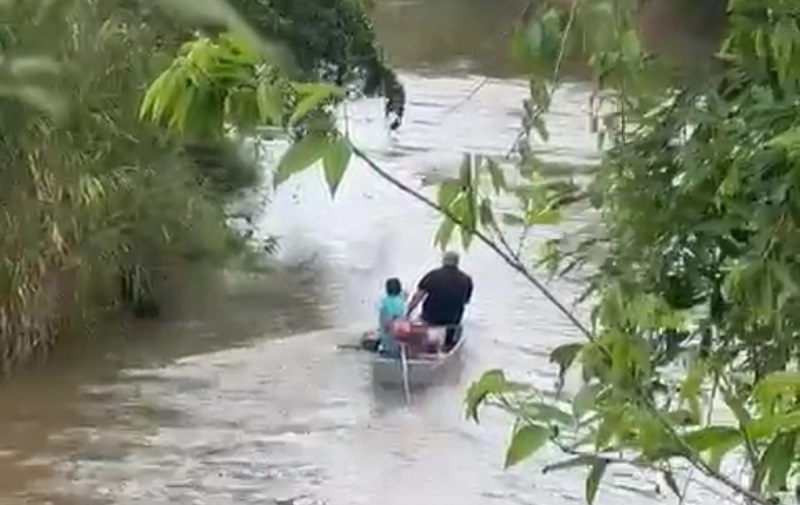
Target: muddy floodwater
246 399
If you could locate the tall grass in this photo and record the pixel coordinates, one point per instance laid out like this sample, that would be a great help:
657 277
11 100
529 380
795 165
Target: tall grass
93 202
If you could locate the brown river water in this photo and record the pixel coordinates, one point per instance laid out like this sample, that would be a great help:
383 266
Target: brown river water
246 399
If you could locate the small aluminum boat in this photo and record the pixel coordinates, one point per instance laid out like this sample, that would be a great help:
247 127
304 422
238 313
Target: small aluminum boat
423 368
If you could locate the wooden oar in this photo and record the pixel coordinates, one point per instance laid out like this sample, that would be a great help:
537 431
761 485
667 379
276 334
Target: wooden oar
404 365
350 347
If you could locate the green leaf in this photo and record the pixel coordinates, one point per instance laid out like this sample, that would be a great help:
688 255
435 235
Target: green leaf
497 175
182 107
316 94
767 426
547 413
585 398
788 140
317 88
694 379
682 417
444 233
631 48
564 355
582 460
270 103
519 45
242 105
449 190
784 275
781 462
492 381
718 452
776 384
534 36
300 156
335 162
546 217
736 405
464 213
526 440
611 425
707 438
594 478
159 96
776 462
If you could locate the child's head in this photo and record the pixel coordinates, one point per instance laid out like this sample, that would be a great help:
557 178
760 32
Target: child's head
393 287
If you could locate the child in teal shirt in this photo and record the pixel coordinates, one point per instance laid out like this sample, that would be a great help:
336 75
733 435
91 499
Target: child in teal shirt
392 307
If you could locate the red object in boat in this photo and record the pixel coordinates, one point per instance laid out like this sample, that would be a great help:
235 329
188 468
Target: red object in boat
409 331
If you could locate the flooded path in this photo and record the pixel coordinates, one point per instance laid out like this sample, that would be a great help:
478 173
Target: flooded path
252 402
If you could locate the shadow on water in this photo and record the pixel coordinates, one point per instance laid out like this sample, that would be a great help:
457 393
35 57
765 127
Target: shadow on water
212 311
77 388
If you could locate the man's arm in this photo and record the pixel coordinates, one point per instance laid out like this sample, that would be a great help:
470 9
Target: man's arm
419 295
468 294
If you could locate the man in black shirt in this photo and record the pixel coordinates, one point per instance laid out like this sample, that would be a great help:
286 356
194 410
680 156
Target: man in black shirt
446 291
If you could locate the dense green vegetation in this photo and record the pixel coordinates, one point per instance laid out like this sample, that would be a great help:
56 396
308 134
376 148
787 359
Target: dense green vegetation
690 357
692 354
93 200
97 206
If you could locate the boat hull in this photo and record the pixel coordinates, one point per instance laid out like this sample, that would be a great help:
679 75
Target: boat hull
421 371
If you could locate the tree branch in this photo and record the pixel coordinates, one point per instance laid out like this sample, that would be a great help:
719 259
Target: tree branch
515 263
508 258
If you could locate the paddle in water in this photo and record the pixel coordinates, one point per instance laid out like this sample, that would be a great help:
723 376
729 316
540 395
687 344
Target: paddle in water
404 366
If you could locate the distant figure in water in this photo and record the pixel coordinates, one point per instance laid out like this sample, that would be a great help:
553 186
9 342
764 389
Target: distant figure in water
395 101
446 291
392 307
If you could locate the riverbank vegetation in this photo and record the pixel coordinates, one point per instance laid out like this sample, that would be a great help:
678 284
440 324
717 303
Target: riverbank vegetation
690 362
690 358
100 209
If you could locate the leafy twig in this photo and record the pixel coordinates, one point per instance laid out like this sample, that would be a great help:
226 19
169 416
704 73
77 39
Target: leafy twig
508 258
692 457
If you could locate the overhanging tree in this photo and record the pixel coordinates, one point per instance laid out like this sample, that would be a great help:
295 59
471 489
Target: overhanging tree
693 272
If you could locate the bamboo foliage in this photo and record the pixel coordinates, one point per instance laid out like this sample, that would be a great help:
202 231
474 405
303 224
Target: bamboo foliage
216 79
89 194
93 200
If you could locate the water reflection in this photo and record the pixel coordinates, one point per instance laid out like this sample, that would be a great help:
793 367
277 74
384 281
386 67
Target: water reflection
457 37
448 37
49 414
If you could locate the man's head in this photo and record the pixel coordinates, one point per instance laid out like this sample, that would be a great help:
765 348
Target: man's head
450 259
